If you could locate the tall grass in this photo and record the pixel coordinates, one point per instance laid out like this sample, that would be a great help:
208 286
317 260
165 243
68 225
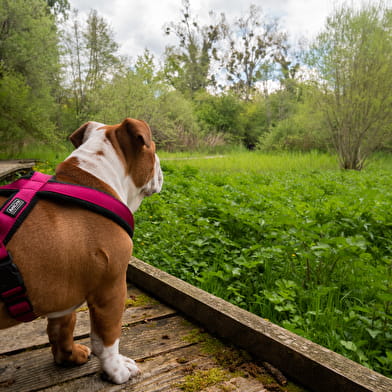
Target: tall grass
40 153
255 161
233 159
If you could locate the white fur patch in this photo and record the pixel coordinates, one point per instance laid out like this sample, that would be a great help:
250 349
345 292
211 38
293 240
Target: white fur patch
117 367
155 184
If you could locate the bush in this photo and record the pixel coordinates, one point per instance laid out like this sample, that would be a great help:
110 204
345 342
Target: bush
303 131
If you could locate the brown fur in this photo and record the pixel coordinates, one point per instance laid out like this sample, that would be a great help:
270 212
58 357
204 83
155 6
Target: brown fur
133 143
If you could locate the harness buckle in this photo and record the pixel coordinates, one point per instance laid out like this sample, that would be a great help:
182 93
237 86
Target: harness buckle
13 291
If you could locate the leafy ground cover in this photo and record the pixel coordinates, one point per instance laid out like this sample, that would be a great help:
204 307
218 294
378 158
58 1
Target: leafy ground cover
288 237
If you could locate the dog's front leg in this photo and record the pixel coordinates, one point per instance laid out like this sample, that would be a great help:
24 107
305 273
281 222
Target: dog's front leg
65 351
106 317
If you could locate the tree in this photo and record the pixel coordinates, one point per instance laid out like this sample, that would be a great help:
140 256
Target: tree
187 67
140 92
59 7
90 57
29 42
352 60
74 65
101 49
298 125
254 46
29 72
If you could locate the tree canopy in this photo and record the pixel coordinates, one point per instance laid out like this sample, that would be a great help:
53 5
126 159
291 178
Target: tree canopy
29 72
224 82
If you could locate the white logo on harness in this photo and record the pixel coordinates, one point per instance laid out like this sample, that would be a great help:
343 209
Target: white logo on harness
14 208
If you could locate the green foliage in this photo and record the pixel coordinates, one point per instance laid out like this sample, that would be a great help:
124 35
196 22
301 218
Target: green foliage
59 7
307 248
302 130
219 113
28 73
254 42
16 110
140 93
100 47
187 66
209 91
254 120
353 60
89 55
29 43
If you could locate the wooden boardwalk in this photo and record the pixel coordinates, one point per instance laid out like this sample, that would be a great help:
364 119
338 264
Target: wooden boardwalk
173 354
9 168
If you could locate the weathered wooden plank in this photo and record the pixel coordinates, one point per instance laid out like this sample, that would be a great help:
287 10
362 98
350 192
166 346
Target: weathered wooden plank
30 335
7 168
34 370
166 373
160 373
314 366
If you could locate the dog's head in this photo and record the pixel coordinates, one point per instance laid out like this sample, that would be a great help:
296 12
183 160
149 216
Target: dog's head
122 155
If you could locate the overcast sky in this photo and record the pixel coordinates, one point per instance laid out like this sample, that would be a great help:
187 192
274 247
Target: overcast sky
138 24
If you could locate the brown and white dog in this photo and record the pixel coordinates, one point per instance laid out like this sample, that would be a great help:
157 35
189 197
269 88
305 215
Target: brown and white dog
68 255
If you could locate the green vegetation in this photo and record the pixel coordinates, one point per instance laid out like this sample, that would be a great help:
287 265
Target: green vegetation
231 363
201 379
354 58
139 300
288 237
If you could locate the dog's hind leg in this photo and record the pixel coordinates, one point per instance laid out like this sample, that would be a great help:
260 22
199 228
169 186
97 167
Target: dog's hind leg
106 315
65 351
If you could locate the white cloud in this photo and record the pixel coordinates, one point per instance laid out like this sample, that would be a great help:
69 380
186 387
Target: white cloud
139 24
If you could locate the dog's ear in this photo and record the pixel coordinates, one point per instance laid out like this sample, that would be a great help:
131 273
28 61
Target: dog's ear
138 130
133 141
77 136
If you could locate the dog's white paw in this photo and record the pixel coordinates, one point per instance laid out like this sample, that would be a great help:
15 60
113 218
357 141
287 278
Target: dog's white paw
119 369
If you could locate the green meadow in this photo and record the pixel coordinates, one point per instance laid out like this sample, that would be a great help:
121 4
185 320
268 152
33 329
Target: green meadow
289 237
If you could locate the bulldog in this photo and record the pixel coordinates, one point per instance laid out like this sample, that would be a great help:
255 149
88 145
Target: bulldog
68 255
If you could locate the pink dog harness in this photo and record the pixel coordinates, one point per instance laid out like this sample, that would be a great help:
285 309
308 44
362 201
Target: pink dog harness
24 194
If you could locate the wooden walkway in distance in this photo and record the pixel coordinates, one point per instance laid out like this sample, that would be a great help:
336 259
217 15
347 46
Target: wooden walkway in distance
8 168
173 354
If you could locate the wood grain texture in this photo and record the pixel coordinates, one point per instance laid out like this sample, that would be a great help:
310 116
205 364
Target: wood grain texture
36 369
33 334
